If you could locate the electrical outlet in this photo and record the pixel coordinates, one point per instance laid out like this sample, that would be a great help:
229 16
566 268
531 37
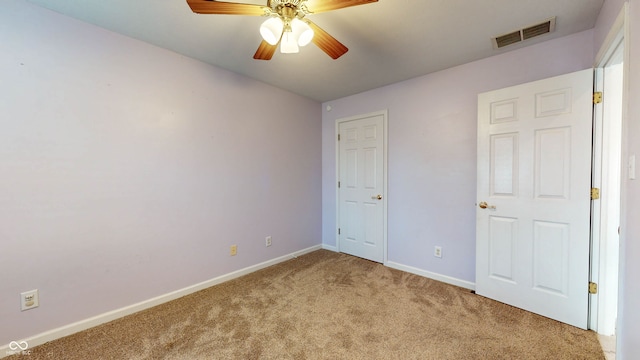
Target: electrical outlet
29 300
437 251
234 250
267 241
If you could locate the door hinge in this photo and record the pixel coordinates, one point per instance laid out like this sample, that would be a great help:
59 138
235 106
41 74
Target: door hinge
338 137
597 97
595 193
593 288
338 231
338 184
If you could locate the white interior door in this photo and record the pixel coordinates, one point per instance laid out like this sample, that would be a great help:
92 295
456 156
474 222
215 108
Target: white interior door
361 195
534 182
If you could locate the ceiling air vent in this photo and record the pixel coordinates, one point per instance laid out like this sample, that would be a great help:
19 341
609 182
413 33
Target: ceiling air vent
508 39
524 34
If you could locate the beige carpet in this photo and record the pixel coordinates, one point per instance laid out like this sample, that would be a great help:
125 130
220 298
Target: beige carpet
329 306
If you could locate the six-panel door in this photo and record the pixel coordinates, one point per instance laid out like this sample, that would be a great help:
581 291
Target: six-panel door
361 198
534 173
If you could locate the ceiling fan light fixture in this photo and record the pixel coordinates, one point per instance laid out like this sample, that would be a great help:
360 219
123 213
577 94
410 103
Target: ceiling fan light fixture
289 43
271 30
302 31
285 23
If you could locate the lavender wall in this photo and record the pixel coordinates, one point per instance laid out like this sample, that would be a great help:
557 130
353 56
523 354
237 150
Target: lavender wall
127 171
628 316
608 14
432 150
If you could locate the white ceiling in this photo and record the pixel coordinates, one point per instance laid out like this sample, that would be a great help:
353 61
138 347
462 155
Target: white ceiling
389 41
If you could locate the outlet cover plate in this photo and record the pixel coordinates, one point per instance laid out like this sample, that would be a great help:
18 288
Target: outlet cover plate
29 300
437 251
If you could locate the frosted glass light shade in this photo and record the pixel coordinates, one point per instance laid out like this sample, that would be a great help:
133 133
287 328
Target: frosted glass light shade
289 44
271 30
301 31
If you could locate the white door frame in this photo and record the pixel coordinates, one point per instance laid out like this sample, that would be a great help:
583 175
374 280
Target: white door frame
385 128
618 35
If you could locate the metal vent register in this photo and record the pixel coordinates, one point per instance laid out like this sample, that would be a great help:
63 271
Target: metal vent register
525 33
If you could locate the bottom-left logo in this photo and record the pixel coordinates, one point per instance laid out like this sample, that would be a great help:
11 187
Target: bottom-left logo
18 347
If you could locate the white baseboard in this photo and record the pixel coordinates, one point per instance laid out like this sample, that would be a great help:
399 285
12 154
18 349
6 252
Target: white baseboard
330 247
67 330
443 278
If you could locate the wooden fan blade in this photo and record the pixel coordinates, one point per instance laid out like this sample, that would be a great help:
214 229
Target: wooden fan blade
225 8
326 42
316 6
265 51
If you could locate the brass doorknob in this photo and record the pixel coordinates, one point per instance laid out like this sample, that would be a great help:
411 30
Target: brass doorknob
484 205
377 197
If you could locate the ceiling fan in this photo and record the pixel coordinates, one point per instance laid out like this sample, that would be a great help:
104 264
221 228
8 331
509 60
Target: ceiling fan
286 25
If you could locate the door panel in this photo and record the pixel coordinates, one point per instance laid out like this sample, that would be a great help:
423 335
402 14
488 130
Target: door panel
361 177
551 260
553 163
504 164
534 171
503 238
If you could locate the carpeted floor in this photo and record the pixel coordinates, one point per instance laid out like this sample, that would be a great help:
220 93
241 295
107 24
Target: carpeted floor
325 305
